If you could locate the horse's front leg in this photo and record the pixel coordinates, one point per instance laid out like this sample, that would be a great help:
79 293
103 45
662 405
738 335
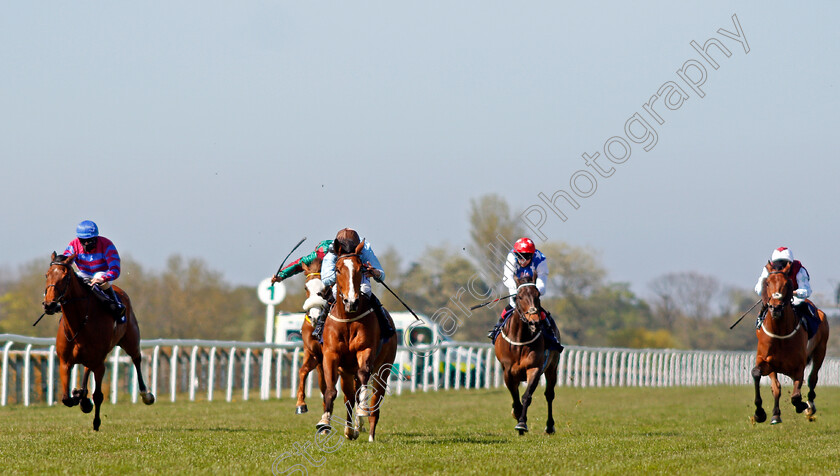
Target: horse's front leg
64 372
796 396
98 396
81 394
776 388
533 381
760 415
512 385
330 376
348 387
307 366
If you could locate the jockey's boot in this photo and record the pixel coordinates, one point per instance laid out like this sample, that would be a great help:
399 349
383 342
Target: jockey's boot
552 335
319 326
494 332
386 330
760 318
110 299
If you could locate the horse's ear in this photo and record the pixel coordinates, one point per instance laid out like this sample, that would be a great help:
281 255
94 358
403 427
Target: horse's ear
70 259
360 247
786 269
52 258
768 266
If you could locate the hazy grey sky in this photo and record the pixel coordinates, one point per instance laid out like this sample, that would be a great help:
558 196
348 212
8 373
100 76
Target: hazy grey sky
228 130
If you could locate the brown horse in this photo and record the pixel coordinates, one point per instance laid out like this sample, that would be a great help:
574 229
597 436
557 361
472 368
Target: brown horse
352 350
87 332
523 355
784 347
312 357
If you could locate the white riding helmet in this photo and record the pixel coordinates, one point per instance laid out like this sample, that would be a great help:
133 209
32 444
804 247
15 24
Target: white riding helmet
782 254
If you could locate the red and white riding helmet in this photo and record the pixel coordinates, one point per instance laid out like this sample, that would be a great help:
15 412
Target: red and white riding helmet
782 254
524 245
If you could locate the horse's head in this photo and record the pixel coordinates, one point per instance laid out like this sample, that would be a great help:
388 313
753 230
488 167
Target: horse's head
58 282
778 288
348 278
528 301
316 292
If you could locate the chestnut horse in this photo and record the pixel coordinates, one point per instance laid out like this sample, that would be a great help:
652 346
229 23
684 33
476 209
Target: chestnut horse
524 357
87 332
314 305
784 347
352 350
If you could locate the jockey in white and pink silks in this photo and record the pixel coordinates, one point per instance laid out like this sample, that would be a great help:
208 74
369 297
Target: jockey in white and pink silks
526 260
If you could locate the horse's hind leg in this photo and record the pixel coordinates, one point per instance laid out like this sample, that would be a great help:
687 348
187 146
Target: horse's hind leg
98 397
816 363
84 402
550 383
760 415
131 344
776 388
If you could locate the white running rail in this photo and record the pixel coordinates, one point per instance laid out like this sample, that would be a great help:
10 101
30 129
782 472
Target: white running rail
178 369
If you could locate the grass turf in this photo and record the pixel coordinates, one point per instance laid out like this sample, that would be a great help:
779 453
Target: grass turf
599 431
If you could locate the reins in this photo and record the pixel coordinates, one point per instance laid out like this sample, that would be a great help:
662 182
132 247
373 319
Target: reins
62 302
523 319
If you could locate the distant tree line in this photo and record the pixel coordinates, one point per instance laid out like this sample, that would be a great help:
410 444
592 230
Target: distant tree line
187 299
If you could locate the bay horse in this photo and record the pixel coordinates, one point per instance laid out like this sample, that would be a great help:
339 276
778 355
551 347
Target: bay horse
521 351
87 332
784 347
352 350
313 306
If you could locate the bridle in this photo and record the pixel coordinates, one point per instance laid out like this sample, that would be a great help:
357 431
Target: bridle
522 315
777 295
61 301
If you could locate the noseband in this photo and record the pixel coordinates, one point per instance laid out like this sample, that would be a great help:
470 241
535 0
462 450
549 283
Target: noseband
60 300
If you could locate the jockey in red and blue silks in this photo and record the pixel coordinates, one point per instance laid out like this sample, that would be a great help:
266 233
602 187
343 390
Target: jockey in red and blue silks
526 260
98 262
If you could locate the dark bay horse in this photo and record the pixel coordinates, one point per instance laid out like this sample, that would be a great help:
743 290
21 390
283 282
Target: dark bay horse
524 358
784 347
312 357
352 350
87 333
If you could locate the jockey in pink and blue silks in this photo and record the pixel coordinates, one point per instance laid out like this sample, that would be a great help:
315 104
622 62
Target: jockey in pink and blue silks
98 263
802 288
526 260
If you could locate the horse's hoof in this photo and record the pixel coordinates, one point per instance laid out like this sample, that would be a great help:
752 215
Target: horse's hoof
69 402
300 410
96 423
521 427
86 405
800 406
549 430
760 416
776 420
148 398
323 426
811 410
351 433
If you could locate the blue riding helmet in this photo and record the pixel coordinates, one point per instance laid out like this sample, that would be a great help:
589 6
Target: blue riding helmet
87 229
